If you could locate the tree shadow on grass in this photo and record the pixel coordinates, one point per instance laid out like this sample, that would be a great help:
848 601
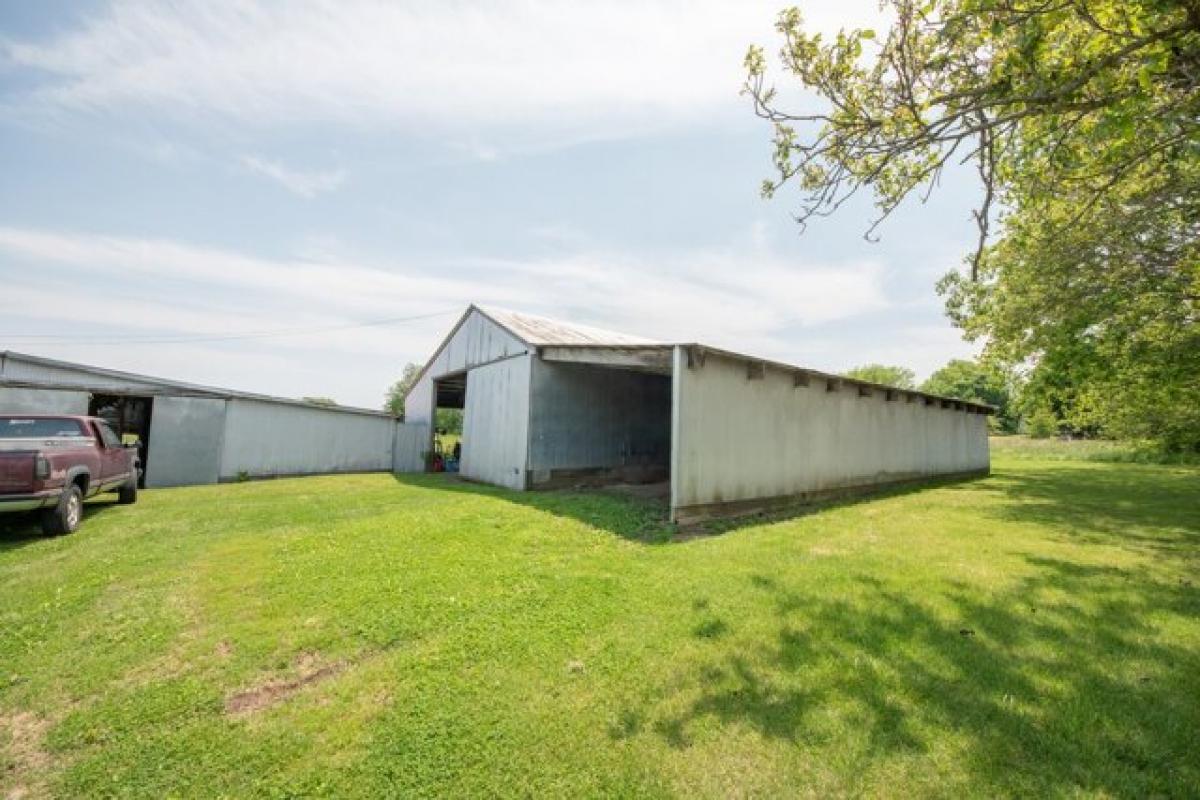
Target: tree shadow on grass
1143 508
638 519
1059 684
645 519
861 496
24 528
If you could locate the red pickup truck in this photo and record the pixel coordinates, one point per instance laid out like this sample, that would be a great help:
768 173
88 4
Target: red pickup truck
53 463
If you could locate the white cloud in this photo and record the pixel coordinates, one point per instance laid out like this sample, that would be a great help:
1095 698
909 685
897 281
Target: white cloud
444 65
739 300
742 299
307 184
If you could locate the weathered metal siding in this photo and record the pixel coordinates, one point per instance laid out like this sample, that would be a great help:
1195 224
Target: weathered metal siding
43 401
418 406
186 435
412 440
477 340
264 439
18 370
198 435
586 417
496 423
738 438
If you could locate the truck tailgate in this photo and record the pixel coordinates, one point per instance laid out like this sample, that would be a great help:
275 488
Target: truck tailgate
16 471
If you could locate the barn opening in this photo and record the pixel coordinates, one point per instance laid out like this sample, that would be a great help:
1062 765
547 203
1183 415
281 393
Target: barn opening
449 406
594 424
129 416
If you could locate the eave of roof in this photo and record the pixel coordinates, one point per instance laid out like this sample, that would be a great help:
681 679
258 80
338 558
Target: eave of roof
786 367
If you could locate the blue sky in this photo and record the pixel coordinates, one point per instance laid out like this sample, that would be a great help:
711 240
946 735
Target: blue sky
176 173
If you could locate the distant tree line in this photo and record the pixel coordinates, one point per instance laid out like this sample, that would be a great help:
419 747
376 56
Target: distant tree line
1024 403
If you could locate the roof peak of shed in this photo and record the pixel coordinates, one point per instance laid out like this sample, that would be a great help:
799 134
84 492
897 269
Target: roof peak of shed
536 330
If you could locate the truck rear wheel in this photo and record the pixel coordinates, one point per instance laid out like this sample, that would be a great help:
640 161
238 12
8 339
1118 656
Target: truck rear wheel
127 494
66 516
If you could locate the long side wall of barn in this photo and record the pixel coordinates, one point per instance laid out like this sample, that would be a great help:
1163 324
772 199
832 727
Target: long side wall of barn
496 423
264 439
743 436
597 422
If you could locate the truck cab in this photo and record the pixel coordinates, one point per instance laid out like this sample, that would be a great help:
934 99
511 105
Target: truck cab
52 463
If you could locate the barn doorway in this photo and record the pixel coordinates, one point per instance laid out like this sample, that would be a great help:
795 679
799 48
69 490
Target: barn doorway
600 425
129 416
450 401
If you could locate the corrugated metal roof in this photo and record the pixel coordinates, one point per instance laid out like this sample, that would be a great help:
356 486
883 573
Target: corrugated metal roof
537 331
540 331
22 369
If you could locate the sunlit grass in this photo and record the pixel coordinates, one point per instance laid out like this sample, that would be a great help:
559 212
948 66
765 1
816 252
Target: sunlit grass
1034 633
1107 450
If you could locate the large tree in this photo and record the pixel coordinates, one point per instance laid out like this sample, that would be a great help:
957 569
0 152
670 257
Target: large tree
1082 119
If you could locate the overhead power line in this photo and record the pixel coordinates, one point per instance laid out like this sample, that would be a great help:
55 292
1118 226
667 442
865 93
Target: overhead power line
133 338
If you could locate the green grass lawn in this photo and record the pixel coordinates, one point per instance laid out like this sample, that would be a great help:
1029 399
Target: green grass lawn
1035 633
1055 449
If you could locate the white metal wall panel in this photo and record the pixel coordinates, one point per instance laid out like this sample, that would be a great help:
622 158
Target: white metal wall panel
418 405
42 401
412 440
185 441
477 341
264 439
496 423
737 438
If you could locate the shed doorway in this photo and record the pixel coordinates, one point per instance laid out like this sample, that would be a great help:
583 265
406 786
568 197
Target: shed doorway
599 425
450 401
129 416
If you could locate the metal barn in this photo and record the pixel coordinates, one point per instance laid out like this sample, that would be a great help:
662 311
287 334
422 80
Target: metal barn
191 434
550 404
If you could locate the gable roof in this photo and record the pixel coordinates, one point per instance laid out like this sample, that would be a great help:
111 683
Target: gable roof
535 331
542 331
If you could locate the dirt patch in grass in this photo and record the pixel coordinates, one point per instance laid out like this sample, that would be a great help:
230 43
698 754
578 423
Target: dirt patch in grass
310 670
25 757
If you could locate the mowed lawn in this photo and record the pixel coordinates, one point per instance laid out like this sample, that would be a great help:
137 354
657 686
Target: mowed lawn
1035 633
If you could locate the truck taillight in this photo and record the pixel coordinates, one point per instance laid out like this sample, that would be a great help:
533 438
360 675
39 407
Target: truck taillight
41 468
